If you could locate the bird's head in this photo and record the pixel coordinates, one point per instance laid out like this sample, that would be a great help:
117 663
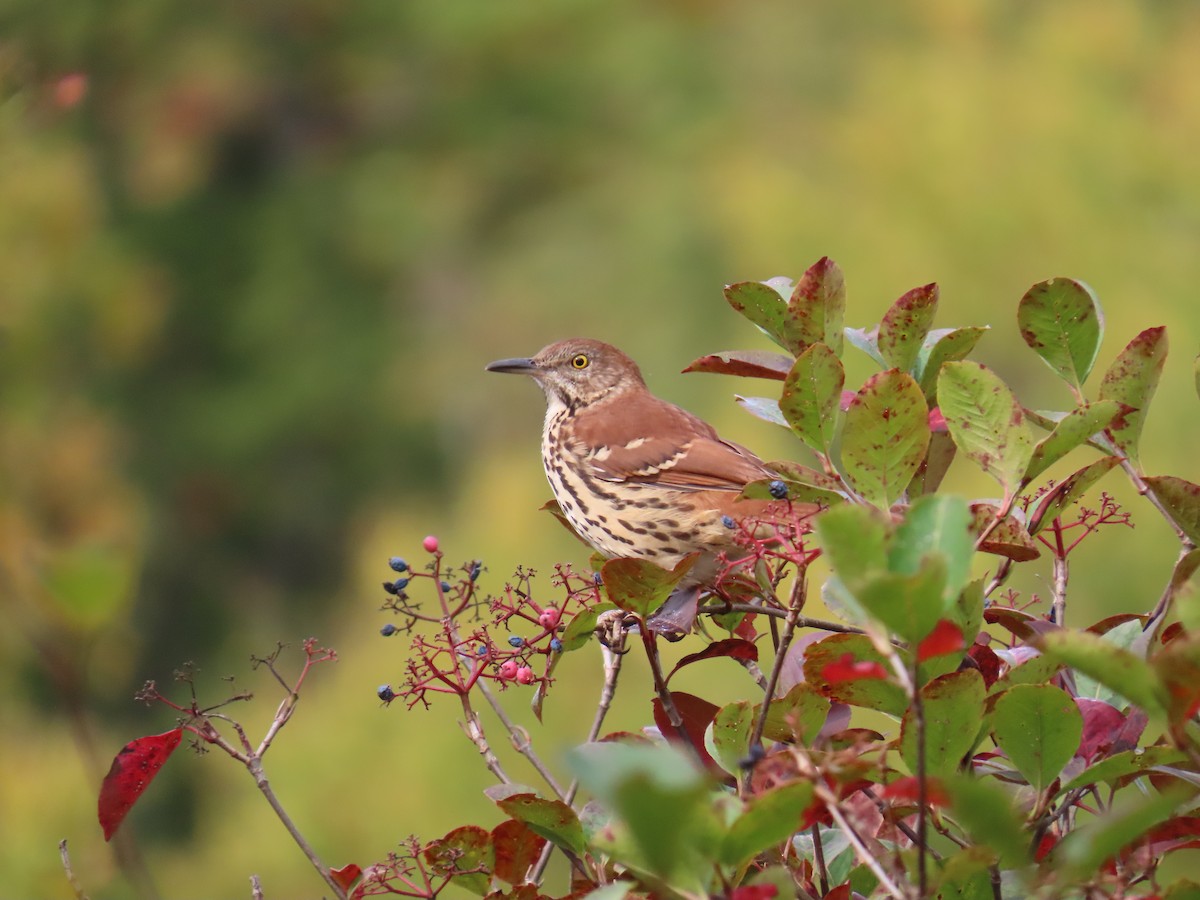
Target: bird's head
577 372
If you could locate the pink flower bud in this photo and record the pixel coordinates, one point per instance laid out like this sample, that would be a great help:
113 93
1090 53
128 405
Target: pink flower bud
430 544
524 675
509 670
549 617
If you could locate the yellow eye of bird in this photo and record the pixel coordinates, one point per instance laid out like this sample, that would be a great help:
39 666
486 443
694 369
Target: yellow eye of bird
579 361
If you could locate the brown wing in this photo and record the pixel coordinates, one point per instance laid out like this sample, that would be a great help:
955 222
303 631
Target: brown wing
644 439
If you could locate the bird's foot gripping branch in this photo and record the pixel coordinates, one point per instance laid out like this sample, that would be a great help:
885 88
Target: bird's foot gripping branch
922 715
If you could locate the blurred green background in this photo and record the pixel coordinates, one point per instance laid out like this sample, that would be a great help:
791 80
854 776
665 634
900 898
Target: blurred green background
254 256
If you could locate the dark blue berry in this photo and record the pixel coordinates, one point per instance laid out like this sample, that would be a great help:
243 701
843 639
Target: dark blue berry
385 693
778 489
398 585
596 578
728 522
397 564
476 568
389 587
388 630
445 586
556 645
481 650
515 641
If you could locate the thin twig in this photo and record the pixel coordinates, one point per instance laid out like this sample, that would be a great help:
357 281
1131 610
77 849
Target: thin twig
520 741
780 613
865 856
795 604
256 891
664 693
70 873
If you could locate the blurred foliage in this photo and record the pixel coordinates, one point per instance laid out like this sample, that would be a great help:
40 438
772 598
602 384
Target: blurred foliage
253 257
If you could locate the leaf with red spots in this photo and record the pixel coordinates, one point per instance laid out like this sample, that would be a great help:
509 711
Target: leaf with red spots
640 587
909 788
817 305
953 709
1008 539
516 848
132 771
764 305
1062 321
986 421
551 819
1132 380
1038 727
943 345
734 648
1181 499
847 668
1072 431
1066 492
904 326
466 854
845 652
885 436
811 394
945 638
746 363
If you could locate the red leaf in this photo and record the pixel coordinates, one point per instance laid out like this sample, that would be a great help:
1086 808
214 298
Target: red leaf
697 714
517 848
1045 845
746 630
346 875
734 648
908 788
1101 724
841 892
846 669
987 660
754 892
749 363
1172 632
132 771
945 638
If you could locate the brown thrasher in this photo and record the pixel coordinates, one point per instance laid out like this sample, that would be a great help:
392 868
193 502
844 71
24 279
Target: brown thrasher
636 476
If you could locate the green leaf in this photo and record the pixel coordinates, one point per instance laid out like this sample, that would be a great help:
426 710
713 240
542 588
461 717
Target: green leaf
1181 499
904 326
953 707
731 735
1072 431
762 305
640 587
579 630
1122 765
985 421
763 408
944 345
468 847
989 815
818 304
811 395
909 605
1038 726
885 437
798 714
797 491
1066 492
769 820
854 540
873 693
941 525
1132 380
1062 321
551 819
1112 666
1082 852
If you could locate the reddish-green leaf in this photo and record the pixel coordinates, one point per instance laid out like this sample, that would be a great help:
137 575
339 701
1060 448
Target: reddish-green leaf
885 437
811 394
551 819
1132 380
953 709
818 304
944 345
1062 321
346 875
461 850
872 693
769 820
1066 492
1071 431
640 587
1181 499
516 847
986 421
746 363
904 326
1038 727
734 648
131 772
763 306
1123 765
800 713
1008 539
731 729
1114 667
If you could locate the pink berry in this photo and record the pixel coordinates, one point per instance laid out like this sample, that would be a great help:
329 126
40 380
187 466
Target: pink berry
524 675
430 544
509 670
549 617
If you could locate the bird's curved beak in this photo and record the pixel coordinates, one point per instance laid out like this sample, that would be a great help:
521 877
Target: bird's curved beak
517 366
